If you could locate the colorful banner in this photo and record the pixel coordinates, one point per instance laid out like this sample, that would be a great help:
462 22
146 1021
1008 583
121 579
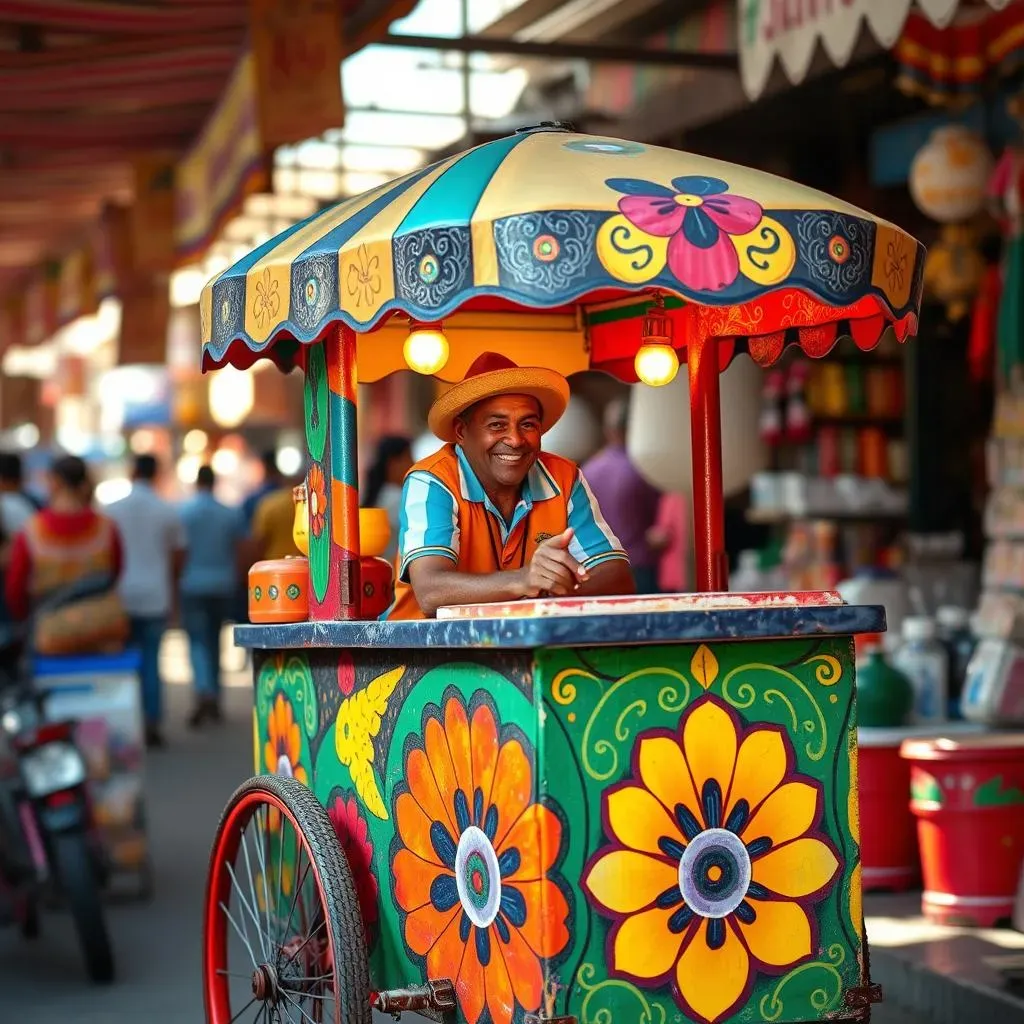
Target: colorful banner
12 322
41 300
112 251
153 213
76 289
19 400
791 29
298 52
145 316
225 164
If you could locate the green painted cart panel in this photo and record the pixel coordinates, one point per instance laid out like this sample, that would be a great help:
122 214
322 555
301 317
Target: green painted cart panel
652 833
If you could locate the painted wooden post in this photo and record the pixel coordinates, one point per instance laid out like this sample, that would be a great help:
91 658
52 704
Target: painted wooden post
712 567
332 476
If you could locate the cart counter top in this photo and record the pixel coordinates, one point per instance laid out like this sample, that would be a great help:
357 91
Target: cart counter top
686 618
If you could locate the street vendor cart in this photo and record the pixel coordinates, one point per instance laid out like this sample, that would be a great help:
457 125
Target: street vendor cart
613 809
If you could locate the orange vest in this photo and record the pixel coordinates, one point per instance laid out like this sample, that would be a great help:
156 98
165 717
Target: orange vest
481 550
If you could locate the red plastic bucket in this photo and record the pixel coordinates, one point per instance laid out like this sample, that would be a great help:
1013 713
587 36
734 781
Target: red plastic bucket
968 797
888 832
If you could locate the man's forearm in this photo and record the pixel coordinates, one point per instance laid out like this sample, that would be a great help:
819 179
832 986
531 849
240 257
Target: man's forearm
610 578
440 589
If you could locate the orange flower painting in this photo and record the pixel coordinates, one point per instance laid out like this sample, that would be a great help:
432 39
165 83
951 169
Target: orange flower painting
474 862
714 861
283 750
316 486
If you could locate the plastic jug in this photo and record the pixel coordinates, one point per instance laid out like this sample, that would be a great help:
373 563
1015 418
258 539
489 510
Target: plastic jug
923 660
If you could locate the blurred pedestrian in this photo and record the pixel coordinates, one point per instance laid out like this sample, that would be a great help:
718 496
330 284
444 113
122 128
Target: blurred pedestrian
68 543
628 501
384 483
273 523
154 551
16 505
213 536
272 481
16 508
670 539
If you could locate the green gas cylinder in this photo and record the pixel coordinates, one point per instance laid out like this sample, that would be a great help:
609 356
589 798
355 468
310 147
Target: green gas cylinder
885 696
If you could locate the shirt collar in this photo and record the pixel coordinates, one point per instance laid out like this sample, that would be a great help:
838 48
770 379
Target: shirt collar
539 484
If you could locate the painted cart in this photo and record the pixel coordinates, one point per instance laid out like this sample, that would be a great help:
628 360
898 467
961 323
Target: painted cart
639 809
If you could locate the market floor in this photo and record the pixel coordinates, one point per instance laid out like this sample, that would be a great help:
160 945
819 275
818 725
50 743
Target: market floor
158 944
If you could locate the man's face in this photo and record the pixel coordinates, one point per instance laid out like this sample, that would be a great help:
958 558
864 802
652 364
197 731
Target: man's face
501 438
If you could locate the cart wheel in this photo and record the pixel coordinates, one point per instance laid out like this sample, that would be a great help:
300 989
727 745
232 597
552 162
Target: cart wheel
284 935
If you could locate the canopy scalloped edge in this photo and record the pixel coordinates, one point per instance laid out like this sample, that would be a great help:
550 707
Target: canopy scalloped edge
478 231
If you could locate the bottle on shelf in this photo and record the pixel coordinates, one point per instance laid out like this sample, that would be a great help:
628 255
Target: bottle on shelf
923 660
954 632
748 578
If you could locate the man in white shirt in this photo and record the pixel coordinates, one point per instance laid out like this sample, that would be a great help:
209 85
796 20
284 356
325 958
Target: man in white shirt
15 511
153 543
16 507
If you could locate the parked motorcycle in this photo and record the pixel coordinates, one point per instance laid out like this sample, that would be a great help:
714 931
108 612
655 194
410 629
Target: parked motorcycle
47 838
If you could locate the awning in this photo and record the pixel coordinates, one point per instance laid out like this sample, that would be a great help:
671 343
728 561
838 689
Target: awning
790 30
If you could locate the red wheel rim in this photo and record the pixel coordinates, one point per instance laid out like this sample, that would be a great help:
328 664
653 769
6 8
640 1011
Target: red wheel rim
284 936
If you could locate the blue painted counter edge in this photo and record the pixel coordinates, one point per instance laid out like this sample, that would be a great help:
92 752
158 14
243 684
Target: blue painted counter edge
573 631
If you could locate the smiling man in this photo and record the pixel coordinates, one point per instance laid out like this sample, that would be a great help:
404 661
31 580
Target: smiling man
490 517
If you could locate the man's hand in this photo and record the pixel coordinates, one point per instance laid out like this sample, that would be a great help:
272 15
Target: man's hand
552 570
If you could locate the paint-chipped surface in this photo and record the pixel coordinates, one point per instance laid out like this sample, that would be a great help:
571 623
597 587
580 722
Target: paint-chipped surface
696 625
632 605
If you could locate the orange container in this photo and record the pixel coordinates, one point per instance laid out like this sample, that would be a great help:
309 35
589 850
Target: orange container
279 590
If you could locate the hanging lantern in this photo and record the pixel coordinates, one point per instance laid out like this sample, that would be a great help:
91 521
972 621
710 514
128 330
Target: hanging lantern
426 348
949 175
656 360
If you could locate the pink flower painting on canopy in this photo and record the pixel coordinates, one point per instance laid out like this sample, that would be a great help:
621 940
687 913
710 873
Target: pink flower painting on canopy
697 215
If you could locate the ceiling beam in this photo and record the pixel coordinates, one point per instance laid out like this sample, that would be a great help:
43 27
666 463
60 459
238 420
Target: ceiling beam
594 52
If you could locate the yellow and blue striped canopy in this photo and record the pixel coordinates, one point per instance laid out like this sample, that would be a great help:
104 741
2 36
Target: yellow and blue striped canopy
547 219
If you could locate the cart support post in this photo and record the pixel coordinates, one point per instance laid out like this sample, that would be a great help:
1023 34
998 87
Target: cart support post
333 467
706 441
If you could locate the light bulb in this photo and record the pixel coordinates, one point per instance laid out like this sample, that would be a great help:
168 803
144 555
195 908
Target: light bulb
656 365
426 350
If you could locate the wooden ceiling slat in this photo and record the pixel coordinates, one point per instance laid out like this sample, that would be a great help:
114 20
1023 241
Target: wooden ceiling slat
100 17
124 72
93 128
90 53
204 89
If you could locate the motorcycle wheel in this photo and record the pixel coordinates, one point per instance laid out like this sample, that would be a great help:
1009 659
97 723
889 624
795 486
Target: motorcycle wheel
76 875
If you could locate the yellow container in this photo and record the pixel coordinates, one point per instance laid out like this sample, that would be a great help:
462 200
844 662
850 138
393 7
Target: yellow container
374 532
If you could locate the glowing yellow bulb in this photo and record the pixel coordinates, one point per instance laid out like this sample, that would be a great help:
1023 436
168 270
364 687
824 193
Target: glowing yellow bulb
656 365
426 350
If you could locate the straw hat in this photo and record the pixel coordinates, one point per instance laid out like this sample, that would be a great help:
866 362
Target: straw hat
492 374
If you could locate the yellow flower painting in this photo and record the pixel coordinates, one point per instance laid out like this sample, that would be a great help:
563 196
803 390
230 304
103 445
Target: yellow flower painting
714 861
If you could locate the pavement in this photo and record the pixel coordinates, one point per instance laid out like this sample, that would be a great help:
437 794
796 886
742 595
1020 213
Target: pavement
157 944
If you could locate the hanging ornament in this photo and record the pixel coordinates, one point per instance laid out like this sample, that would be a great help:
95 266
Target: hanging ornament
953 269
949 175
